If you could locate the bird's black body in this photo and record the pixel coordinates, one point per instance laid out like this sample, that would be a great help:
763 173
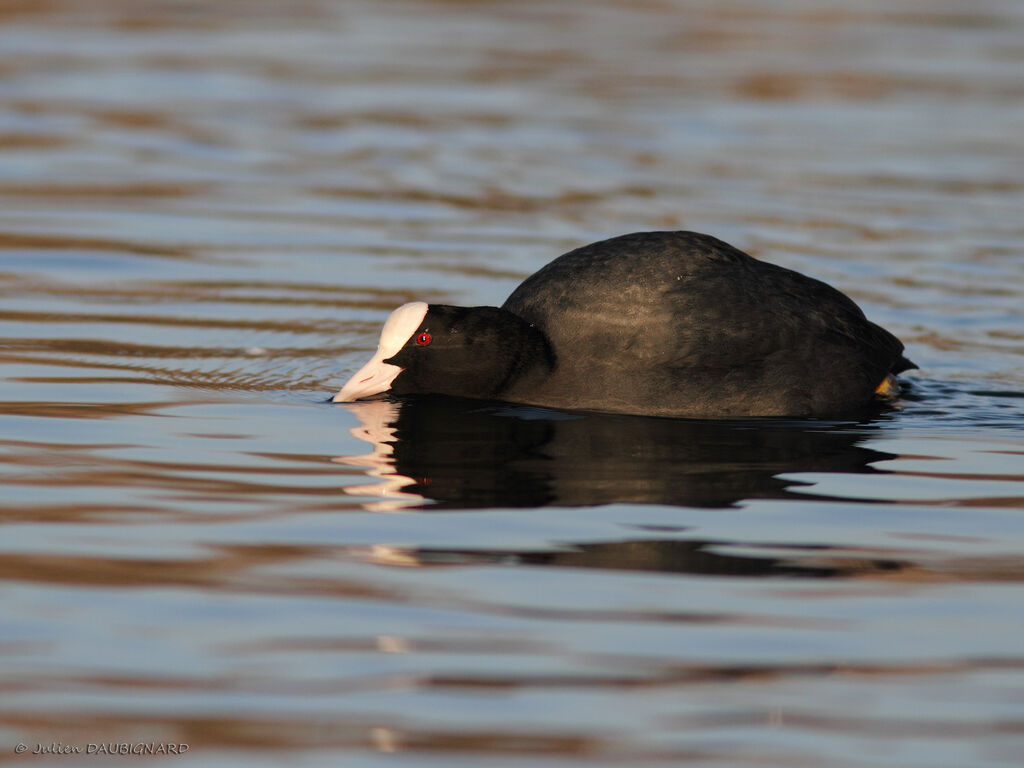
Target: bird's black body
662 324
683 324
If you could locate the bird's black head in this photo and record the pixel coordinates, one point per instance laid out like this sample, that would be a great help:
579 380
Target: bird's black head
481 352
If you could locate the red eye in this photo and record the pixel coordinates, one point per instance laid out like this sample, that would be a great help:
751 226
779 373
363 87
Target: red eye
423 339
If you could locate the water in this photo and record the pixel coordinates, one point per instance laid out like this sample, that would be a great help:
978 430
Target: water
208 210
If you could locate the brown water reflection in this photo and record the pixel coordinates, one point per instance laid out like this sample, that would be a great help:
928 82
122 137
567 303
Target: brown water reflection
208 210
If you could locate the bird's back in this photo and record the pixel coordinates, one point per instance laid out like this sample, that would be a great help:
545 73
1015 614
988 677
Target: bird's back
683 324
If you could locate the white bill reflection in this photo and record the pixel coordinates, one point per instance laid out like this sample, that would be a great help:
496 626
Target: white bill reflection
375 420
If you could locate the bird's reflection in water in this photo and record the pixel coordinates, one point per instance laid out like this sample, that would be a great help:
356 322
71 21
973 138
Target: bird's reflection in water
449 453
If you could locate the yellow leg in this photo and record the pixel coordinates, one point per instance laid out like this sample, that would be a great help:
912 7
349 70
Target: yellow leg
889 389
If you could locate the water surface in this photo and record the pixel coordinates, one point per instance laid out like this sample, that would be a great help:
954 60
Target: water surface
209 209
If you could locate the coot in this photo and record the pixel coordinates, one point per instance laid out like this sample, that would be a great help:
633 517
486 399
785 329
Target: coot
654 323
